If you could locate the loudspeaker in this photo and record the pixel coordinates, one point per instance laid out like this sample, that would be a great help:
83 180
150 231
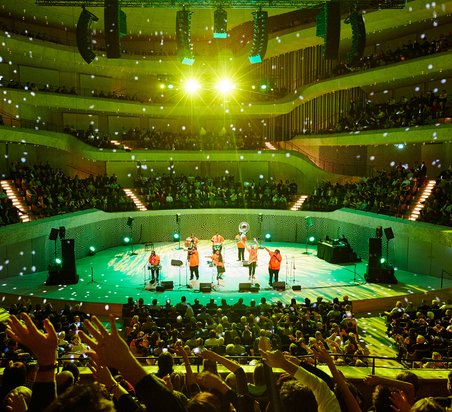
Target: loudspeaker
168 284
159 288
84 40
68 257
279 285
53 235
205 287
333 29
389 233
380 274
374 252
245 287
296 287
255 288
112 29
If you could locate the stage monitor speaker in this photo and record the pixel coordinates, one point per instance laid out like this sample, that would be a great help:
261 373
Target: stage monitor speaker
205 287
112 28
159 288
167 284
389 233
279 285
383 274
255 288
375 252
296 287
53 235
245 287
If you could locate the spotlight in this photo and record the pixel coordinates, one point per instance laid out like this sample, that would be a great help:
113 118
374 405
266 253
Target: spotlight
312 240
92 251
129 221
268 237
127 239
58 261
220 23
176 237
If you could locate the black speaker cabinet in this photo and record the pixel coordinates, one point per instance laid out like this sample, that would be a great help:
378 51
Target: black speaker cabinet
84 37
296 287
112 26
389 233
205 287
374 252
383 274
167 284
279 285
245 287
333 30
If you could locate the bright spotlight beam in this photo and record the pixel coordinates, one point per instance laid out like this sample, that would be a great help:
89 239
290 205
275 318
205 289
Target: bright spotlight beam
225 86
192 86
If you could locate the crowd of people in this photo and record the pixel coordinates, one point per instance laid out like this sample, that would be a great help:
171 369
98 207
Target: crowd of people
152 139
170 191
423 333
388 192
48 191
438 206
38 339
419 110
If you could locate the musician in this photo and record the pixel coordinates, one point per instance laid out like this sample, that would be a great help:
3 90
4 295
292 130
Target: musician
191 241
274 264
217 242
241 240
252 258
154 266
193 262
217 260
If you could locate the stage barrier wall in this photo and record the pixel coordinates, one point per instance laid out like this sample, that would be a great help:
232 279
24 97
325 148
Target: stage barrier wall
417 247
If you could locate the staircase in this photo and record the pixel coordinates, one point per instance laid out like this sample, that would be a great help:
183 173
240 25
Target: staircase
139 205
299 202
12 194
421 199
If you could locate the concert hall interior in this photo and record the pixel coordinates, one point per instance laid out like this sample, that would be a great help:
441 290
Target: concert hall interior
315 135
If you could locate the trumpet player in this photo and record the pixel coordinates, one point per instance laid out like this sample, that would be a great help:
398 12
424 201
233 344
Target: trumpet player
240 238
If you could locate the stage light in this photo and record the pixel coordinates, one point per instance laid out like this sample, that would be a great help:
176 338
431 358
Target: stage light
192 86
382 260
220 23
176 237
312 239
225 86
127 239
58 261
92 251
268 237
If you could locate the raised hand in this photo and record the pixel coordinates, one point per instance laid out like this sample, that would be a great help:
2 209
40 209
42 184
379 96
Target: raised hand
42 345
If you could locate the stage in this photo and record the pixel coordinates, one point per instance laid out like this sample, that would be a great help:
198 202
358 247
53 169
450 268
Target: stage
111 276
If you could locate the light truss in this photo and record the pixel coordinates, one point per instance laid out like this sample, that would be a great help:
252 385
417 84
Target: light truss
233 4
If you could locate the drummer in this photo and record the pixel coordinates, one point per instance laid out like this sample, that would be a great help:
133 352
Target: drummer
217 242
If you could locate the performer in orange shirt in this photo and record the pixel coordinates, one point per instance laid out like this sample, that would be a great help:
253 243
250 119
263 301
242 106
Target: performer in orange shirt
217 260
241 240
193 262
191 241
154 265
274 265
252 259
217 242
